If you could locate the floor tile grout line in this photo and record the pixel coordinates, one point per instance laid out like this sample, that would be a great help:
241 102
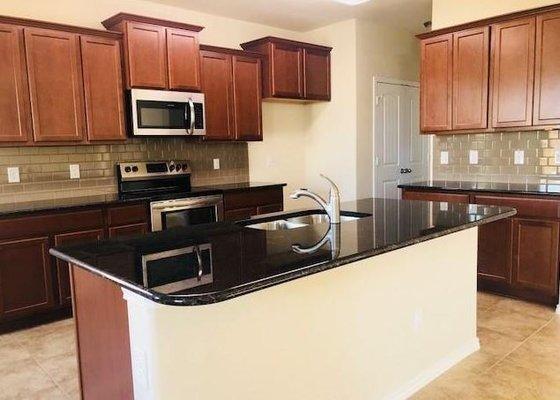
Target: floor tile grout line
519 345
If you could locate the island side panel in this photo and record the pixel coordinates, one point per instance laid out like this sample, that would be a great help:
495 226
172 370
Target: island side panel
379 328
103 343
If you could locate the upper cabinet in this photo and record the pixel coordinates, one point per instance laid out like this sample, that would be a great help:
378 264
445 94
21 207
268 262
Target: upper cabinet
513 63
60 84
505 74
159 54
14 107
231 82
293 70
436 83
546 108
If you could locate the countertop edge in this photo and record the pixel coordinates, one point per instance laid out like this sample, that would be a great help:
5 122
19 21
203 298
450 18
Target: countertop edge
434 188
217 297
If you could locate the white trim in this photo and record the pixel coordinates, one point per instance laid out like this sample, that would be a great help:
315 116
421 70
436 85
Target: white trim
393 81
558 309
434 371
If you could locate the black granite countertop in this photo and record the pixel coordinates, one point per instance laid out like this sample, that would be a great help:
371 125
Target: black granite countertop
62 203
245 259
494 187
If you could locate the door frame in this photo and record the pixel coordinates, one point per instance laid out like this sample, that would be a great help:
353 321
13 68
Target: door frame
393 81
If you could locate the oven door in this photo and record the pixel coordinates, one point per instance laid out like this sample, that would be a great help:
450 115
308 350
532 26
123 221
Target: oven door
186 212
164 113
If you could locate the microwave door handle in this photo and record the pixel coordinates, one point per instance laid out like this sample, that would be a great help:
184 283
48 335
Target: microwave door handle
193 116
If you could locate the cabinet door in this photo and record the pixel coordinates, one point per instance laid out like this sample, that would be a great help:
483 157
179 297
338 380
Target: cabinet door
247 98
317 74
535 255
55 84
216 72
547 70
101 64
494 251
146 56
513 57
62 268
471 50
182 59
436 83
287 74
25 277
14 104
128 230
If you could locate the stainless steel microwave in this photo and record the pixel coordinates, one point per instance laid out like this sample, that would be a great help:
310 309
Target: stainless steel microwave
166 113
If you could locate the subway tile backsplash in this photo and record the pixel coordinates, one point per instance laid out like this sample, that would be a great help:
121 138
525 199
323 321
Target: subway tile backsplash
44 171
496 152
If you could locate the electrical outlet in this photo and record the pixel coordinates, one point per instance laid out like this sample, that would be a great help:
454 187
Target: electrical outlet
216 163
557 156
13 175
444 157
74 171
519 157
473 157
417 320
443 206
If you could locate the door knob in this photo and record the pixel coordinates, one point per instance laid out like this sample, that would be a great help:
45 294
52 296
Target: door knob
406 170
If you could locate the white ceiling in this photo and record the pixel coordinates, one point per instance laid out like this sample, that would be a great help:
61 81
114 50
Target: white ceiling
304 15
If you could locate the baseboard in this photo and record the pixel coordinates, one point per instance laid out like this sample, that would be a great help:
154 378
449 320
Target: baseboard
434 371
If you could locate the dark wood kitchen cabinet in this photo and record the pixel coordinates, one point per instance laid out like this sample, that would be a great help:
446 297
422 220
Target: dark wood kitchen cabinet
25 277
243 204
55 84
436 83
470 78
293 70
104 97
14 107
231 85
159 54
513 63
518 256
546 107
62 268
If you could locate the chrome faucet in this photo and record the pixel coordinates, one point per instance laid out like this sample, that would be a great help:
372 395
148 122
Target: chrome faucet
332 208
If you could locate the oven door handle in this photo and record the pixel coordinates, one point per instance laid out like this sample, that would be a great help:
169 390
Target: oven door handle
199 261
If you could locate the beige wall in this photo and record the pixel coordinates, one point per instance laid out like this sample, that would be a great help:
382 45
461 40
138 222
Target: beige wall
453 12
300 140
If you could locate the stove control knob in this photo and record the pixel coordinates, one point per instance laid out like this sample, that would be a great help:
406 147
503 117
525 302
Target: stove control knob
134 168
172 167
185 167
178 166
127 169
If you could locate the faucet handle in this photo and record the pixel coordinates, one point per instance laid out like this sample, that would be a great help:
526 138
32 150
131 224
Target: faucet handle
334 187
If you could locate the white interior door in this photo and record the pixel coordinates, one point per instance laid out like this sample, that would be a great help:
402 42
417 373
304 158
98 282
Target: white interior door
401 154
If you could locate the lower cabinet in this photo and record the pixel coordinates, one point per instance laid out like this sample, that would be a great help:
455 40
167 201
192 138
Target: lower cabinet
25 277
62 268
127 230
239 205
518 256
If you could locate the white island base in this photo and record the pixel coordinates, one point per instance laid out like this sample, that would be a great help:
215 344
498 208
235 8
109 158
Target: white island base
380 328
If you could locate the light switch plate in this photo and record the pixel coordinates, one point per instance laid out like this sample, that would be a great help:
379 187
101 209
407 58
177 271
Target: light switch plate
13 175
557 156
216 163
443 206
74 171
473 156
473 208
519 157
444 157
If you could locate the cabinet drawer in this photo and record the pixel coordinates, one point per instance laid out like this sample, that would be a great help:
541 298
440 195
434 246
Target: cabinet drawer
36 225
526 206
126 215
129 230
239 214
436 196
253 198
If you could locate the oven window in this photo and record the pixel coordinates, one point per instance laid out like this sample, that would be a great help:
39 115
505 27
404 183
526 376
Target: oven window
193 216
160 114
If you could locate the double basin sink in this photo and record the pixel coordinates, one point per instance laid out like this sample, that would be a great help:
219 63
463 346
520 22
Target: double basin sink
299 221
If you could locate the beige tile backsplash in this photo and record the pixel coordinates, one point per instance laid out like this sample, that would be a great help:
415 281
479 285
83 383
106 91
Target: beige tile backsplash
496 157
44 171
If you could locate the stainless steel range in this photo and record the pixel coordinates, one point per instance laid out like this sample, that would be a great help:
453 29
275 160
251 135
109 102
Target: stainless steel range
167 184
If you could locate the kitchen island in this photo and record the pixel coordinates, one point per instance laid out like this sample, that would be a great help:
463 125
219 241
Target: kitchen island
245 311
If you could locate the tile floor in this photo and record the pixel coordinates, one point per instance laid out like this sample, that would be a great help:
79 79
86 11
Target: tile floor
519 359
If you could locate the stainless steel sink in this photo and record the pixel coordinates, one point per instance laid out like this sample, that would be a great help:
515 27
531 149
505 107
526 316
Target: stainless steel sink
313 219
279 224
